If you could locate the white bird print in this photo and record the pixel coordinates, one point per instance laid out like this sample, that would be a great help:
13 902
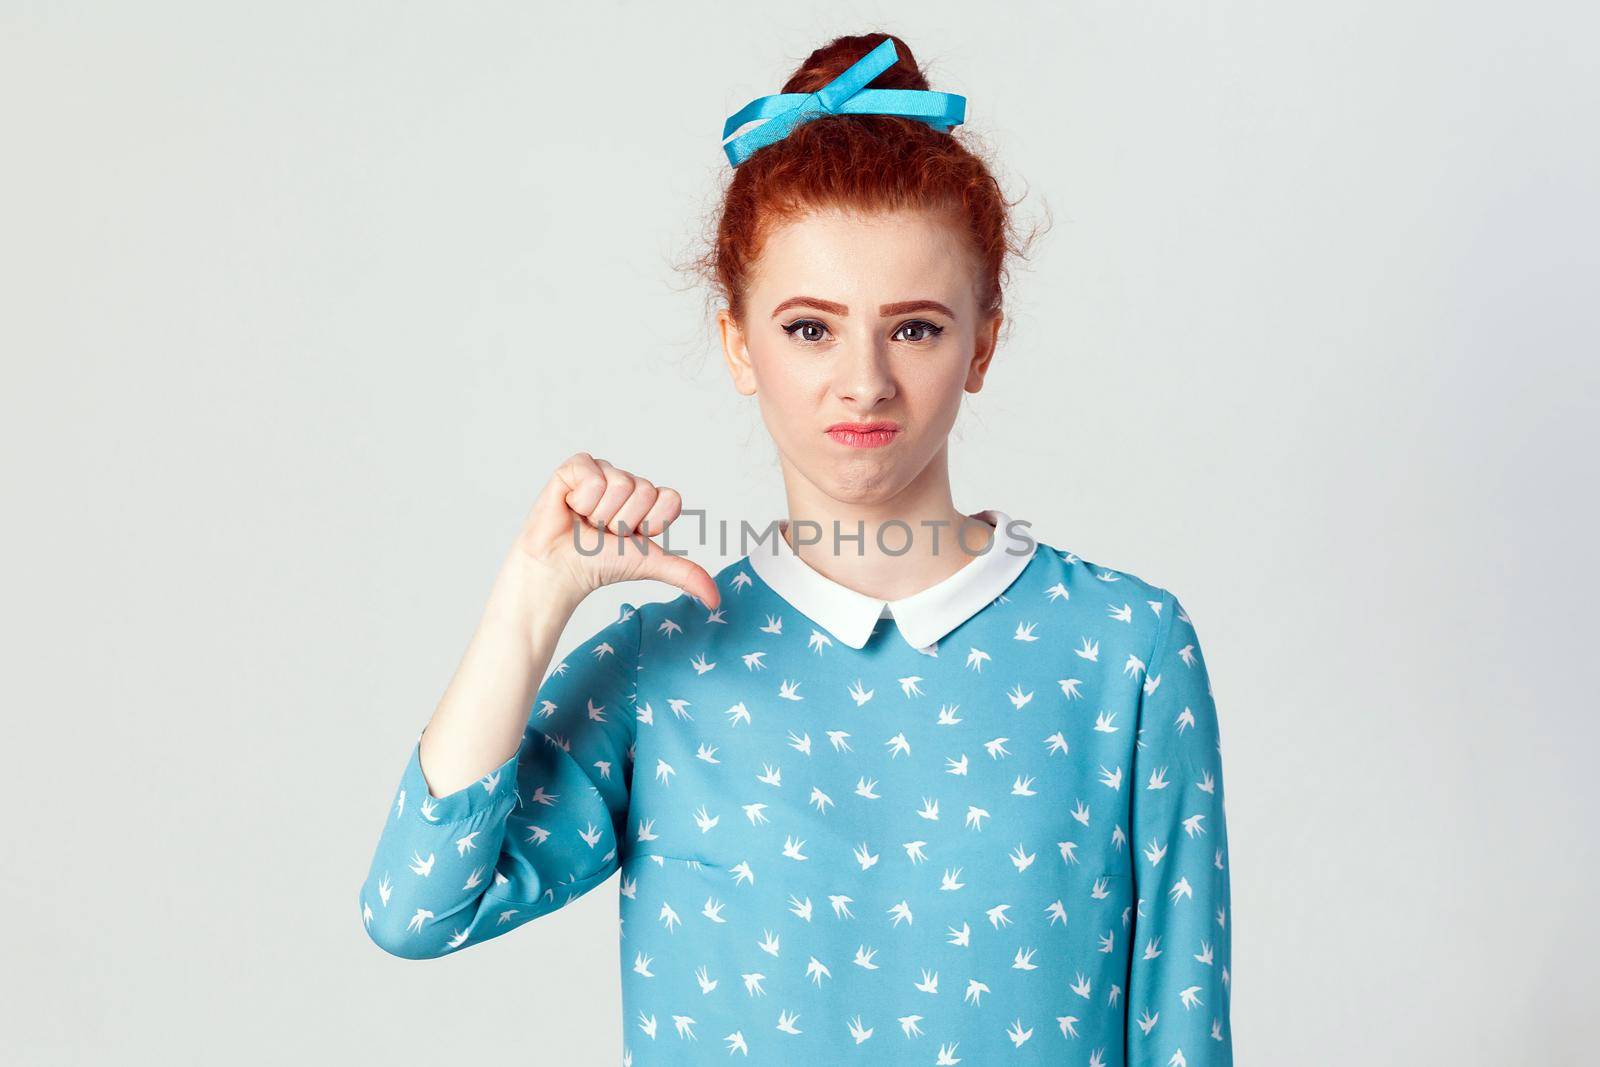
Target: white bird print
1154 851
976 658
1069 850
800 910
1186 653
769 942
737 714
786 1022
716 616
864 958
1122 614
961 938
997 747
1025 632
1081 986
700 664
1151 683
1018 1035
422 866
756 814
897 745
1180 889
948 716
914 851
752 984
1018 697
1099 890
1111 778
816 970
685 1026
860 695
742 873
1106 942
975 991
1089 650
864 856
467 844
956 766
770 775
707 753
841 905
736 1043
1190 997
1068 1024
707 983
1184 720
597 712
705 820
1192 827
1080 812
997 915
910 685
951 881
789 690
1023 961
641 964
908 1025
1057 912
867 789
538 835
929 809
679 709
1206 784
647 1023
947 1056
1058 592
1134 667
668 917
1056 742
1158 779
792 847
930 982
1103 721
975 817
547 708
664 771
1023 786
1021 859
1204 955
415 924
752 661
801 745
591 835
818 641
774 625
1152 948
1069 688
859 1032
901 912
604 767
839 739
713 910
547 799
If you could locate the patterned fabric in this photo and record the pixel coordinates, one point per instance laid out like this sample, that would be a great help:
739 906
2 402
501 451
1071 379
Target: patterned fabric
1008 846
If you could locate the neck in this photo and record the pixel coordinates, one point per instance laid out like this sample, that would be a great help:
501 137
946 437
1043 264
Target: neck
908 541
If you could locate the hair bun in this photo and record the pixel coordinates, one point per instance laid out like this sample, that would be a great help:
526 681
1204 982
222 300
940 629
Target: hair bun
835 57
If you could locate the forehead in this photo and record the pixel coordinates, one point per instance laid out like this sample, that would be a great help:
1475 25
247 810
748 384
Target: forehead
874 257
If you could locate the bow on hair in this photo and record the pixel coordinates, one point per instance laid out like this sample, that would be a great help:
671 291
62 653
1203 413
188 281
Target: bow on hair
845 95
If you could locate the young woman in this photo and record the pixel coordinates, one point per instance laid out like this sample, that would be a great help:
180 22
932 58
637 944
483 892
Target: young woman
900 782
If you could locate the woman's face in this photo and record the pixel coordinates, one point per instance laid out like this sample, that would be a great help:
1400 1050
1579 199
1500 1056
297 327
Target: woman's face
855 323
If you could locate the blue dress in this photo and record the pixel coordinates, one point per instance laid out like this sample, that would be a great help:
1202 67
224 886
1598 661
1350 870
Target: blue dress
1004 845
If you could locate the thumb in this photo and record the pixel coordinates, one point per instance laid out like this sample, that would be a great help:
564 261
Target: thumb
680 571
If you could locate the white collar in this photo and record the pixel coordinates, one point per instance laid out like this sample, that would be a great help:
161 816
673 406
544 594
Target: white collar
923 617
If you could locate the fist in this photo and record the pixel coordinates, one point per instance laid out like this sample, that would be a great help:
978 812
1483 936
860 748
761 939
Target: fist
589 500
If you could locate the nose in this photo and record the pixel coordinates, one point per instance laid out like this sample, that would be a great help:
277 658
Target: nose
863 373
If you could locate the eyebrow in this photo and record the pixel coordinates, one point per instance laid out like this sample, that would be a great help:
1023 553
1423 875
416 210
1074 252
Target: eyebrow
902 307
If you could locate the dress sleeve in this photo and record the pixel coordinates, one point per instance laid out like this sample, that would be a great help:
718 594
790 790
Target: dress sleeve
534 834
1180 947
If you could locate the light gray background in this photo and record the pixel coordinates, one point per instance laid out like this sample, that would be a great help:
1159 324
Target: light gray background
301 303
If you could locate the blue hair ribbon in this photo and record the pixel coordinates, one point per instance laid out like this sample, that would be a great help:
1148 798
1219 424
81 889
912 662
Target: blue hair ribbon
845 95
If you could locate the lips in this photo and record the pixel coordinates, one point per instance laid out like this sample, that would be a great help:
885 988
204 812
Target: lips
864 434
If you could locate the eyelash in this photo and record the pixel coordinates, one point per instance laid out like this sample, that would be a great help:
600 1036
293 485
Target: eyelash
933 330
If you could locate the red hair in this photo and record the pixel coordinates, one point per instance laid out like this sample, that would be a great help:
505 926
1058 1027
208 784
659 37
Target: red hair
864 164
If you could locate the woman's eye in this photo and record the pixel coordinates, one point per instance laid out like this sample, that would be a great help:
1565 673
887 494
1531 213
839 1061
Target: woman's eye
927 330
805 328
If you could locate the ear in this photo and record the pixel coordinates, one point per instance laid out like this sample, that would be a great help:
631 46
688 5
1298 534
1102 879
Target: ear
735 353
983 350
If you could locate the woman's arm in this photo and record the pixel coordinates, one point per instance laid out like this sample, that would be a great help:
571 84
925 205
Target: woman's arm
501 801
